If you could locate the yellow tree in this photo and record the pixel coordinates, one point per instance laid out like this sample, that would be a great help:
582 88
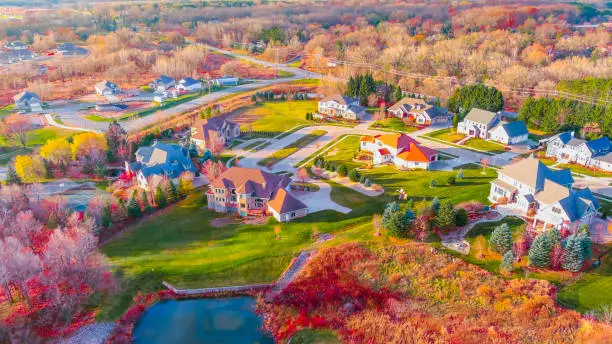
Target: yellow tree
88 144
28 168
57 151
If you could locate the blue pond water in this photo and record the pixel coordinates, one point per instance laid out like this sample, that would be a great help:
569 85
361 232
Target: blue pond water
202 321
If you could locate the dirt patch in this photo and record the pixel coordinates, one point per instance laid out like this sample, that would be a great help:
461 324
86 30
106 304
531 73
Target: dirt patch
222 221
244 116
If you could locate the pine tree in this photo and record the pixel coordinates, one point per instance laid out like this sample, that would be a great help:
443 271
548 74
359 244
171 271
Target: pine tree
573 254
539 252
585 244
106 219
145 201
193 149
507 263
501 239
171 193
398 94
390 209
446 215
133 208
409 216
396 225
461 217
554 236
12 177
160 197
435 205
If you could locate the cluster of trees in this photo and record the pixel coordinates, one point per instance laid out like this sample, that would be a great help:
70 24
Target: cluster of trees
166 192
479 96
551 250
391 294
361 86
343 171
49 265
554 114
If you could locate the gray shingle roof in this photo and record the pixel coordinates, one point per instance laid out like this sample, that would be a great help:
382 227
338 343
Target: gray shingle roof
340 99
480 116
160 158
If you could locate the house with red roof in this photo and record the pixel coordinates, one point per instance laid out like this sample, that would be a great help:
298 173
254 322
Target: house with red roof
398 149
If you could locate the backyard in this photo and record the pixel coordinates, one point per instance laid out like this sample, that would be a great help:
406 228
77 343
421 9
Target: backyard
450 135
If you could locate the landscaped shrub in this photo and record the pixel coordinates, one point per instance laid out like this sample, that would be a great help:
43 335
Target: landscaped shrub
461 217
539 252
342 171
451 180
354 175
362 179
432 183
501 239
367 183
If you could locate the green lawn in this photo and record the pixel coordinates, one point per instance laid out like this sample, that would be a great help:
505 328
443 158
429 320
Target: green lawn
448 135
180 246
393 124
293 147
343 151
483 145
252 145
309 336
7 110
592 290
280 116
584 170
10 147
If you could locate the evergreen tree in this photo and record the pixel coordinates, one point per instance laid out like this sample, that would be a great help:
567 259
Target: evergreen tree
435 205
398 94
585 244
171 192
48 169
145 201
573 254
106 219
12 177
475 96
553 236
354 175
160 197
432 183
409 216
460 174
455 121
501 239
133 208
364 92
397 226
539 252
461 217
185 187
207 155
342 171
446 215
390 209
193 149
507 263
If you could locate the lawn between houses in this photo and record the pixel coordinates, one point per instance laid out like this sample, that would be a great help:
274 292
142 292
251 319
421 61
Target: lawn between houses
274 116
291 148
449 135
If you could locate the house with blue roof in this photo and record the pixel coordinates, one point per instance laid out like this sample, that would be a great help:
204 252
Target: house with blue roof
163 83
189 85
488 125
546 195
158 161
566 148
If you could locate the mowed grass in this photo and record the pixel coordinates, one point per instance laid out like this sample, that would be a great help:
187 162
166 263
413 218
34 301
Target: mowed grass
584 170
181 247
291 148
310 336
393 124
448 135
11 147
485 146
282 115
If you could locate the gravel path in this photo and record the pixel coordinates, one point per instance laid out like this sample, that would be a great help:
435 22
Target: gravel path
95 333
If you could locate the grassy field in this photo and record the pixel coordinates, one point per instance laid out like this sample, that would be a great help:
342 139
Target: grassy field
393 124
483 145
315 337
293 147
343 151
449 135
9 147
276 117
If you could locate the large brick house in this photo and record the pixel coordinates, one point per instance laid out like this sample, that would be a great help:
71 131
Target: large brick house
418 111
596 153
533 189
202 131
400 150
249 191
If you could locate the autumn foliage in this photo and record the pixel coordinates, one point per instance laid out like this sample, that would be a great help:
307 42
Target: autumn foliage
414 294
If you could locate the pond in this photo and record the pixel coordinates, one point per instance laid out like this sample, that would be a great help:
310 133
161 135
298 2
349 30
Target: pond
202 321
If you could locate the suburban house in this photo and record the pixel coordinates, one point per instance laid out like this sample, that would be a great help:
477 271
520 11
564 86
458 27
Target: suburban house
487 125
399 149
418 111
253 192
69 49
225 80
595 154
15 45
162 83
342 106
535 190
202 131
107 88
158 161
189 85
28 101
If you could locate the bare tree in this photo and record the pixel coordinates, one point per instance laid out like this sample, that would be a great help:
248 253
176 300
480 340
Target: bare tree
17 126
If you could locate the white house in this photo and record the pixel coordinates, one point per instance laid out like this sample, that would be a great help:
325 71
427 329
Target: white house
27 101
189 85
106 88
595 154
202 131
487 125
342 106
535 190
418 111
400 150
15 45
163 83
225 80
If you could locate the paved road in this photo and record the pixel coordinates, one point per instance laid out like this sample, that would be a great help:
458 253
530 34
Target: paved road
68 112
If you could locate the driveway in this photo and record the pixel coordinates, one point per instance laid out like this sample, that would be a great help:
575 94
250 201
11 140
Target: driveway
320 200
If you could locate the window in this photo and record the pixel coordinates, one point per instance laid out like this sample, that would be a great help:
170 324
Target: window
556 210
293 214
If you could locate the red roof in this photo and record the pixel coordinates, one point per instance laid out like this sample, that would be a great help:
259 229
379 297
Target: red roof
417 153
384 151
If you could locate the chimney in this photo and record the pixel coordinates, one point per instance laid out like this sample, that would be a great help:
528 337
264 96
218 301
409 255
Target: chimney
572 133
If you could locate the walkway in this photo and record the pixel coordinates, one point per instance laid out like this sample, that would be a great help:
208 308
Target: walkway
460 233
320 200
